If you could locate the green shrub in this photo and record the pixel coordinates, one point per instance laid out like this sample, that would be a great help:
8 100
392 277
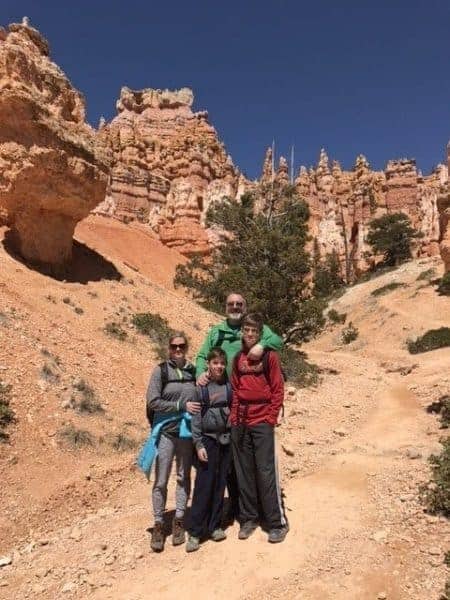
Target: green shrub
442 408
426 275
297 369
431 340
76 438
446 593
88 403
6 412
115 330
335 317
121 442
349 334
444 285
48 373
156 328
437 493
89 406
389 287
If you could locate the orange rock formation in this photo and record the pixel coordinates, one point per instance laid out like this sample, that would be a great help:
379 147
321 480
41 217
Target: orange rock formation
342 204
444 213
168 166
53 171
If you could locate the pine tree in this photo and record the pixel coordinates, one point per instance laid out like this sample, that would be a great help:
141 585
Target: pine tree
392 235
263 256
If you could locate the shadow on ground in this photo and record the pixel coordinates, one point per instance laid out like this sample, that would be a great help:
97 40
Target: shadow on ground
86 265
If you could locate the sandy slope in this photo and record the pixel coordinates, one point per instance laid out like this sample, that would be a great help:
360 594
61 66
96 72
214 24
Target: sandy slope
74 521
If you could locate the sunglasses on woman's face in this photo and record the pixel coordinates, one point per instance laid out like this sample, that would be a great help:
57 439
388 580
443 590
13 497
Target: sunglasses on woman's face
177 346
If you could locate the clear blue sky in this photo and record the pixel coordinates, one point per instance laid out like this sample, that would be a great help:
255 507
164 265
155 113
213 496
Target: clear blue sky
352 76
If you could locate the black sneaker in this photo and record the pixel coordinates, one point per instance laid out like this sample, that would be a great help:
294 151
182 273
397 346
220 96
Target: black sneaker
277 535
157 540
247 529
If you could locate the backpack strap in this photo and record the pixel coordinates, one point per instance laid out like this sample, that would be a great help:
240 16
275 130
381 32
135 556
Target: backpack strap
165 375
164 368
229 392
204 396
265 365
164 381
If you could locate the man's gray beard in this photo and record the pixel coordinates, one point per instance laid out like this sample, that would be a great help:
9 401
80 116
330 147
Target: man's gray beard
235 318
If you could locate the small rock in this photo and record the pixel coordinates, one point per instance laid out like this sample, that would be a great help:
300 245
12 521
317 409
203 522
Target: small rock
68 587
413 453
380 536
434 551
340 432
44 542
76 534
310 442
110 559
288 449
382 596
291 391
5 560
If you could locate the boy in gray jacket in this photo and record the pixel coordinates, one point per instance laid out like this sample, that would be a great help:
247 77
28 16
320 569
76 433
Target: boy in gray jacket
211 437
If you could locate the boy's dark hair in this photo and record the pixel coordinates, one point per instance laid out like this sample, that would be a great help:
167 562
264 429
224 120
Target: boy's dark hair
253 320
216 353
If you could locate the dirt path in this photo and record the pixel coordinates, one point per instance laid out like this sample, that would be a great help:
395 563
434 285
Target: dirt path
350 535
332 503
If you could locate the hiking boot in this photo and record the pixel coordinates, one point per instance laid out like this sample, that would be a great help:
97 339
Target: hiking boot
247 529
277 535
192 544
218 535
157 539
178 533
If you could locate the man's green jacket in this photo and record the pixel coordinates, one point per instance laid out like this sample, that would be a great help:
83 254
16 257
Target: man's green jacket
229 339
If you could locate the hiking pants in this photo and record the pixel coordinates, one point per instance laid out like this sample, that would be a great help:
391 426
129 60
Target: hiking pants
207 502
168 448
257 475
233 491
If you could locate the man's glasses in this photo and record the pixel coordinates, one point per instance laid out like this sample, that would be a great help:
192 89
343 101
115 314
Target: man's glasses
237 304
177 346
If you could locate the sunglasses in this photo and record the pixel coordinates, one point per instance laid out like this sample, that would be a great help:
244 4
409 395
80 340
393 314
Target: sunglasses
177 346
238 304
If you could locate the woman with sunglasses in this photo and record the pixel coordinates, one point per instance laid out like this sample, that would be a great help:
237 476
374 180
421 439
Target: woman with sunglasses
171 393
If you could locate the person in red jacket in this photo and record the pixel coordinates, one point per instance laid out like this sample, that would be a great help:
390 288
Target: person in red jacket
258 391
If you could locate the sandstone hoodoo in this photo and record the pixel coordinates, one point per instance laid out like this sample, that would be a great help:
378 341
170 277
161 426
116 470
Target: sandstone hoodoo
444 216
169 165
342 204
53 167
